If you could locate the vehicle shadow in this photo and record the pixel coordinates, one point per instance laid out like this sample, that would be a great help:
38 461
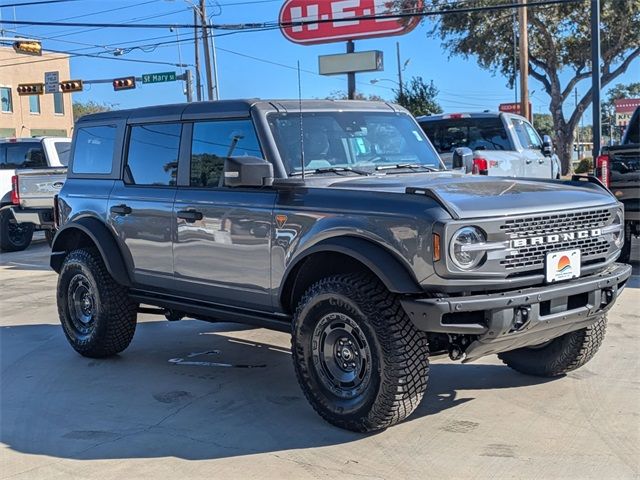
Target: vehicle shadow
186 389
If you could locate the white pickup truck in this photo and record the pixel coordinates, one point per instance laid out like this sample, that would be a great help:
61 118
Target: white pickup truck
32 172
503 144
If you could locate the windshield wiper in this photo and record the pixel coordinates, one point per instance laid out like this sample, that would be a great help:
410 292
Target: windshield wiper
412 166
338 170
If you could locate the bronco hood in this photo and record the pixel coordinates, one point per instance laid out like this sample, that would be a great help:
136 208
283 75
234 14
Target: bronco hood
466 196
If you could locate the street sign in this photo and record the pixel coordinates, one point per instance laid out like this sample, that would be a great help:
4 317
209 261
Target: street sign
513 108
624 110
159 77
51 82
334 26
370 61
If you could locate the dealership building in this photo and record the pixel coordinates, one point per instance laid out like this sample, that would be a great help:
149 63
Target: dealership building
33 115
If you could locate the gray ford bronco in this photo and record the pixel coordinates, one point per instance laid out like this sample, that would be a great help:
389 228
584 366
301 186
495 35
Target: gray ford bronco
335 221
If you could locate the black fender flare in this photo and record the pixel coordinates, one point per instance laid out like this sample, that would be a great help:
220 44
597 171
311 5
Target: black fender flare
383 263
101 237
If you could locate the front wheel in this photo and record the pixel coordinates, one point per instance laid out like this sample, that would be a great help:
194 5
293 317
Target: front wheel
14 236
560 355
97 315
359 360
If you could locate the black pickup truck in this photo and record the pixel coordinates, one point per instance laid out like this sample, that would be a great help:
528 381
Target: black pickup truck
338 223
618 167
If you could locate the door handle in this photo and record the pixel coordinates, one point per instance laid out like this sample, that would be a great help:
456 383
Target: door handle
189 215
121 209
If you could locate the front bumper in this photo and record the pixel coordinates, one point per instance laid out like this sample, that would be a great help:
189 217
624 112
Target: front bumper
507 320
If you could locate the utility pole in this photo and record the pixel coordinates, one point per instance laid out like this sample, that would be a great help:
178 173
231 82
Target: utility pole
399 70
524 60
595 77
205 45
189 82
197 54
515 57
351 76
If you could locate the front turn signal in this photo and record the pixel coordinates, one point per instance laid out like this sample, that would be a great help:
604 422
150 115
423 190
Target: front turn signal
436 247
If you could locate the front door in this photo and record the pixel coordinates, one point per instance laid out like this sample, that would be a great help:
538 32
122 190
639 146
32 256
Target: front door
223 235
141 206
536 164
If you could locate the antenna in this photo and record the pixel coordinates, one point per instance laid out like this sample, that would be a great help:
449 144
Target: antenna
301 127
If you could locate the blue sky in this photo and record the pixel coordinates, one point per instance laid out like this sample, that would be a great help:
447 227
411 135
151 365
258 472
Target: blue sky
463 85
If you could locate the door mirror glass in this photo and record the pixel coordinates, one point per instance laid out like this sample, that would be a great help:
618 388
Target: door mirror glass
547 146
463 159
247 172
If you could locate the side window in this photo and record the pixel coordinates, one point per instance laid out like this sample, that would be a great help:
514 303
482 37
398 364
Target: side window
521 132
534 139
215 141
152 158
23 155
94 149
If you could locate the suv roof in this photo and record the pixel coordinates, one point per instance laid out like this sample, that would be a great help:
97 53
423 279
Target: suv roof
30 139
239 108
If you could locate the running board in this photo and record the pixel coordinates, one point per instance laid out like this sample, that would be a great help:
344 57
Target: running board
212 312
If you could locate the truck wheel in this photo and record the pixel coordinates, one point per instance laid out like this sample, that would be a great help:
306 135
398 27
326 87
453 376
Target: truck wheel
560 355
359 360
14 237
97 315
625 253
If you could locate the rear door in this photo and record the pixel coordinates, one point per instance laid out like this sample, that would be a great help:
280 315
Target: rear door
536 165
141 204
223 235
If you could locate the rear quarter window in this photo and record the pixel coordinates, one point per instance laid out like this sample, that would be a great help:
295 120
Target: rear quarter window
63 149
483 133
93 152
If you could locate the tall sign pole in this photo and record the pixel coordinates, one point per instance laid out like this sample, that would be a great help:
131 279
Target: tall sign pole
524 60
400 86
197 54
595 76
351 76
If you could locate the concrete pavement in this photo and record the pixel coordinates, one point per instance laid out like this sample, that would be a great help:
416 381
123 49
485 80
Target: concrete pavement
195 400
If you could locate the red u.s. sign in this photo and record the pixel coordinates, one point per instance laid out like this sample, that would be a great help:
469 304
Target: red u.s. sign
334 24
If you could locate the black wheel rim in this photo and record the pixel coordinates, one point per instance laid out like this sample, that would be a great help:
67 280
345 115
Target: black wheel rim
341 355
17 233
82 304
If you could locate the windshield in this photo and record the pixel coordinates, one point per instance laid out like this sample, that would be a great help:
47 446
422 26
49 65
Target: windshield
474 133
350 140
63 149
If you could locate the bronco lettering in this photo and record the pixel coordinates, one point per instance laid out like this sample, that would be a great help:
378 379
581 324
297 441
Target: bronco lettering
555 238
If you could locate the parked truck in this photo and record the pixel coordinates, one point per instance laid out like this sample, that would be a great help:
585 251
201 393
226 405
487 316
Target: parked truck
618 167
503 144
337 222
31 172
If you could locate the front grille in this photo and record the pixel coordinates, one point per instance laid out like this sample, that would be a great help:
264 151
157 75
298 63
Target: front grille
532 257
556 223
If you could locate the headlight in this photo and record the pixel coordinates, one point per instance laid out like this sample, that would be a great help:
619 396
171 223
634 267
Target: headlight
618 236
467 247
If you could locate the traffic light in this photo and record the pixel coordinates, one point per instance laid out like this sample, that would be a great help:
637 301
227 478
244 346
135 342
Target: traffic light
69 86
30 47
126 83
30 88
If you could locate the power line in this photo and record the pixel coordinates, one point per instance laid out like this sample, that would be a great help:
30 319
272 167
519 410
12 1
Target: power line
297 23
40 2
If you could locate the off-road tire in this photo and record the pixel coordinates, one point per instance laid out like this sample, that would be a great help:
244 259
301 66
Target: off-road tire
113 314
561 355
10 242
399 353
625 253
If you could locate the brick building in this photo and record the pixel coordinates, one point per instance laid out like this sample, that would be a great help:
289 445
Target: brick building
34 115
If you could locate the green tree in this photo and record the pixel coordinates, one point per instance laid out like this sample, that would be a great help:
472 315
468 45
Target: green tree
559 49
84 108
342 95
543 123
419 97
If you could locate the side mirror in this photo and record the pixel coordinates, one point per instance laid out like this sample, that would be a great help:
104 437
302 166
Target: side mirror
463 158
547 146
247 172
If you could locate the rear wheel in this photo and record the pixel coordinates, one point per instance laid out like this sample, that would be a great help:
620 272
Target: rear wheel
560 355
359 360
97 315
14 236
